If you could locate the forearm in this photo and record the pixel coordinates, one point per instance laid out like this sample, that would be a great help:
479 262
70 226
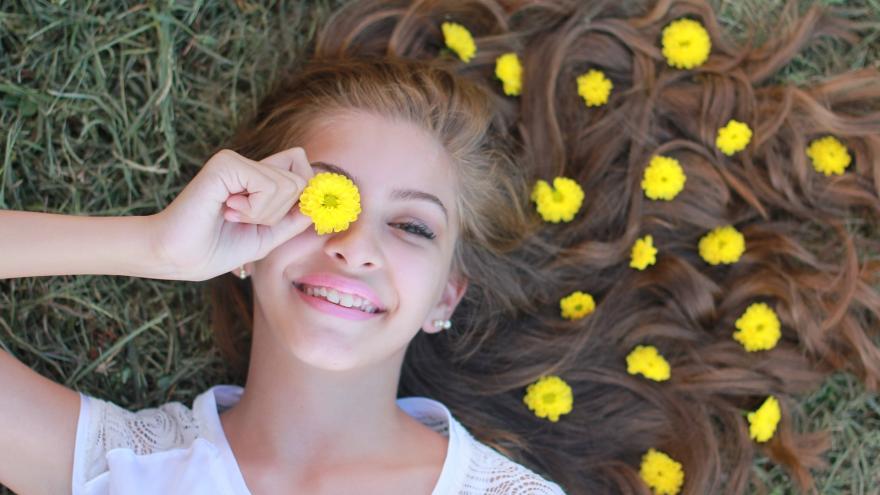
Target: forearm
40 244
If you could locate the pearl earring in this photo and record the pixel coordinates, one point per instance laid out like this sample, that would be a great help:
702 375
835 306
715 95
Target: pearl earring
242 274
443 324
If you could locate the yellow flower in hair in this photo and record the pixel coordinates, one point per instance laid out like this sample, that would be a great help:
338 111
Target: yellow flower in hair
661 472
594 87
459 40
664 178
829 155
509 69
549 397
332 201
686 43
722 245
559 203
758 328
645 359
577 305
643 253
762 423
733 137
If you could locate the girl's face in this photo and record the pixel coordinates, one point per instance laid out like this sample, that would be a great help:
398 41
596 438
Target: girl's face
407 272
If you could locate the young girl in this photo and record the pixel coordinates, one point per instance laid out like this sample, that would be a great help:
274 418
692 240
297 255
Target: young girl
509 337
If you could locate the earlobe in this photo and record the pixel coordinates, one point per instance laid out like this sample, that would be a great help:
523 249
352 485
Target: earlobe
452 294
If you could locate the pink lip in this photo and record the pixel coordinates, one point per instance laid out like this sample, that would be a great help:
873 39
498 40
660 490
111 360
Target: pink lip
328 307
343 284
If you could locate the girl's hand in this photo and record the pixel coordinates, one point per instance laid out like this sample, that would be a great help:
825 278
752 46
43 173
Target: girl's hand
234 211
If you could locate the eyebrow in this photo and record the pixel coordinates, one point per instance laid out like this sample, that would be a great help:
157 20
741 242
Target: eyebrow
402 194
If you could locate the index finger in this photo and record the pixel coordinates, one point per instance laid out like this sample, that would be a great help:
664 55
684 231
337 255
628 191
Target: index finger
293 160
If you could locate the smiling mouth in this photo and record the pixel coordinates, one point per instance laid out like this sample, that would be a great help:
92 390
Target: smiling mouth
301 288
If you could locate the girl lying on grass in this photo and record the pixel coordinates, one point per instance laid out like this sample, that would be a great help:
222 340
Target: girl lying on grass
484 247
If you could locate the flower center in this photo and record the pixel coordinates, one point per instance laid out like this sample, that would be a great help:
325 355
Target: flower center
550 397
330 201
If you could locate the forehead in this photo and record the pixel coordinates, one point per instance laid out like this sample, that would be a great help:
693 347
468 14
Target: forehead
383 153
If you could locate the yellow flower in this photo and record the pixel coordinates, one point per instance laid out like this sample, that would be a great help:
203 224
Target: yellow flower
332 201
686 43
722 245
577 305
549 397
661 472
509 69
733 137
829 155
459 40
559 203
762 423
594 87
758 328
645 359
643 253
664 178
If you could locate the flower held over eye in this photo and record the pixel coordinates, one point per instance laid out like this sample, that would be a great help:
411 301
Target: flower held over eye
686 43
559 203
758 328
643 253
645 359
459 40
549 397
594 87
663 178
762 423
722 245
733 137
332 201
661 472
829 155
577 305
509 69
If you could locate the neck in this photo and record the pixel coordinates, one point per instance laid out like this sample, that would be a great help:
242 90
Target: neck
294 414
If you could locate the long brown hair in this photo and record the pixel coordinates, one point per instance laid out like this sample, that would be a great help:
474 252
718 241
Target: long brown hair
802 257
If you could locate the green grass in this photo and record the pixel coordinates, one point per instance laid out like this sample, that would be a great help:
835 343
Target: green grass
107 109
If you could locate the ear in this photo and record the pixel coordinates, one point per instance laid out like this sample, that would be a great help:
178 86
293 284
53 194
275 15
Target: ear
455 288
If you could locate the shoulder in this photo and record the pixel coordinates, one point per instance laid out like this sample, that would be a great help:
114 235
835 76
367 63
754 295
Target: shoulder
105 426
492 472
144 431
489 471
472 466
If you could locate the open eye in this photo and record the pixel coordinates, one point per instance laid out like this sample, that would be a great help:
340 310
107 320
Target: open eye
417 229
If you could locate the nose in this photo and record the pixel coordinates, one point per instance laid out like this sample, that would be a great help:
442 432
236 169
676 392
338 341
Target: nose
356 246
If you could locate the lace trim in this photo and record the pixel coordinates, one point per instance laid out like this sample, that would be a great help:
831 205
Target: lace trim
169 426
492 473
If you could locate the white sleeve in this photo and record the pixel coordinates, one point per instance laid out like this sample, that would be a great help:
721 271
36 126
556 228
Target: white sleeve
78 476
493 473
104 426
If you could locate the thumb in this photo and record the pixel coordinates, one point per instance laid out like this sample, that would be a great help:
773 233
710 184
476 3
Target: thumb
294 223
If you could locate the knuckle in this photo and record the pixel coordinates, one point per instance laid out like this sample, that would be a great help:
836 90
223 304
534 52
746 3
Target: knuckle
225 154
300 152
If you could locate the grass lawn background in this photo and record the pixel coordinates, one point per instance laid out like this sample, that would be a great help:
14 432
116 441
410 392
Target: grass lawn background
110 108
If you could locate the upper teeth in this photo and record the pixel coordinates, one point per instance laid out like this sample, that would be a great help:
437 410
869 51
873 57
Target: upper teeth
340 298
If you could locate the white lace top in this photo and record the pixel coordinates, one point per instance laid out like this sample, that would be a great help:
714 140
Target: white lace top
173 449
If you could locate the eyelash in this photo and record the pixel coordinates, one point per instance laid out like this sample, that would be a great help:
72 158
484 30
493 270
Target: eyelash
420 229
